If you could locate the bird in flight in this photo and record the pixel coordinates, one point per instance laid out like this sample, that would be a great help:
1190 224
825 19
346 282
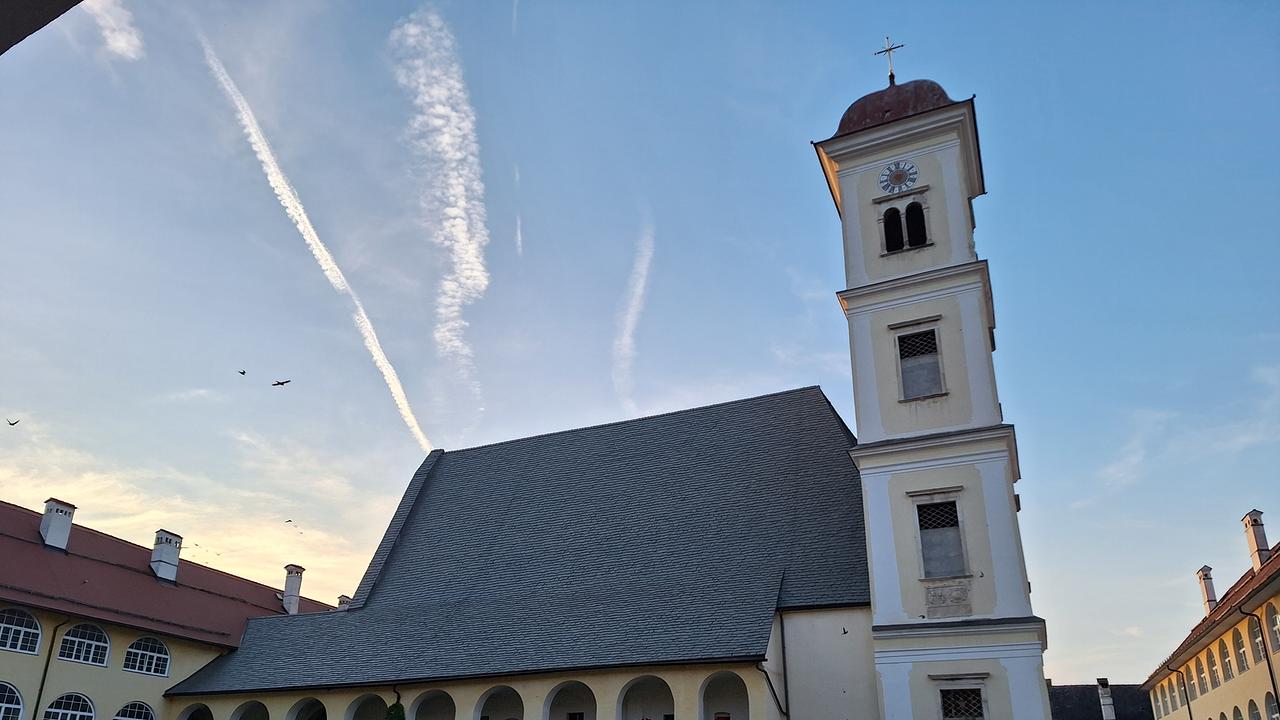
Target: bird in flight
13 422
280 383
241 372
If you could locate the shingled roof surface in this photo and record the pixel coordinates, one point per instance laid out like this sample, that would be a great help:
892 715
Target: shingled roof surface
1080 702
109 579
666 539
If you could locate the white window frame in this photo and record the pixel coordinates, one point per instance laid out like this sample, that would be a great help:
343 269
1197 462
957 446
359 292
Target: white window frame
973 681
78 715
21 632
9 706
911 327
81 644
121 716
149 657
931 497
900 201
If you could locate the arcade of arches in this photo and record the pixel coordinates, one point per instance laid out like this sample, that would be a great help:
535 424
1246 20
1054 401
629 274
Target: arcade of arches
686 693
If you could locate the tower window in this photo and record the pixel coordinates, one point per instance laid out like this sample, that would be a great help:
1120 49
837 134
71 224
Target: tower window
941 546
962 704
916 236
920 364
892 230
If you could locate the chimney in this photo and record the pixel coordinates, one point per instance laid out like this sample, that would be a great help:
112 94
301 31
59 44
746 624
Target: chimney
292 587
1256 535
1205 575
55 526
344 602
164 557
1104 699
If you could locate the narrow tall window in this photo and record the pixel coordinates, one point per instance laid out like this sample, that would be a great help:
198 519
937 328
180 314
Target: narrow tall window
1214 682
920 364
1236 714
1258 642
1155 704
1225 654
1164 700
1181 683
962 704
915 226
19 631
148 656
1200 677
1173 694
940 543
10 702
892 230
85 643
1254 713
1191 683
72 706
1242 655
1273 627
1273 707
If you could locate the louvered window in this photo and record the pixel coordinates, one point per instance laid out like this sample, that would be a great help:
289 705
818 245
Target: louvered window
10 702
19 631
920 364
962 704
85 643
148 656
72 706
940 543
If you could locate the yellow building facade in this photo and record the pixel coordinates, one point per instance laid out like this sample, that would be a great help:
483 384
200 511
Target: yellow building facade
1225 669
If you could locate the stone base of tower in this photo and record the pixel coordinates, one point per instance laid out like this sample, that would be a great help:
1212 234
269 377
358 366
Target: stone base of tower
996 663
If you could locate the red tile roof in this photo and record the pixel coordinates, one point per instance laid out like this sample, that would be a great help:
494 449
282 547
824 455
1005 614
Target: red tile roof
1224 612
108 579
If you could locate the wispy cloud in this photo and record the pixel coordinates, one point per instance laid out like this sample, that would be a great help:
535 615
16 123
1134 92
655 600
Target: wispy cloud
519 218
624 344
515 16
293 207
121 37
442 134
192 395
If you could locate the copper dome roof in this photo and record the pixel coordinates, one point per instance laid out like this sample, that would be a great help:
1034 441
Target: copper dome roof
893 103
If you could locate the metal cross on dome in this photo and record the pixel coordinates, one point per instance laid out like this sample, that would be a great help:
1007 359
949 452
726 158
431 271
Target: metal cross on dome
888 52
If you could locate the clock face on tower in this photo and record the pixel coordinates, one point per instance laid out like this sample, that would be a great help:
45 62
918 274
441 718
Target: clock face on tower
898 176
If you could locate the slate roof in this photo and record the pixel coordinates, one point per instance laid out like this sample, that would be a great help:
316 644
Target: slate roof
1080 702
667 539
104 578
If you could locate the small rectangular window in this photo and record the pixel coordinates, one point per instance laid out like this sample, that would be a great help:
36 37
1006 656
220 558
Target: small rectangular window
940 544
920 364
962 704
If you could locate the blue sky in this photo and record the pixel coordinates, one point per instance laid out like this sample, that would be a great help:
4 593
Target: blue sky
1130 160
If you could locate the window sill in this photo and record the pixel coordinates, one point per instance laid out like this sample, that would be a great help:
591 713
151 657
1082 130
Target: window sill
907 249
83 662
944 393
964 576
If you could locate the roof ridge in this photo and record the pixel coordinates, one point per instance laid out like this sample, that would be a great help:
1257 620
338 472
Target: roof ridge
144 548
642 418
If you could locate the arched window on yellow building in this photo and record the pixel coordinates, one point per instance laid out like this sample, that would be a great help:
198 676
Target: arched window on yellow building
1214 682
1242 655
1225 654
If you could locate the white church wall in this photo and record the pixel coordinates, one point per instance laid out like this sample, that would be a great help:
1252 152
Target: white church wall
830 664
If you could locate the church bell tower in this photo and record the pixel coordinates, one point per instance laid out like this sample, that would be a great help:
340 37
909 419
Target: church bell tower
953 629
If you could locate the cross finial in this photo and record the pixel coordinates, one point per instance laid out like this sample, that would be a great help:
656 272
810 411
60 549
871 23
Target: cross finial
888 52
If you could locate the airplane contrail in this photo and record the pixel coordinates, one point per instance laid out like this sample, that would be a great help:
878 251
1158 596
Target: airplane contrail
288 198
624 345
442 133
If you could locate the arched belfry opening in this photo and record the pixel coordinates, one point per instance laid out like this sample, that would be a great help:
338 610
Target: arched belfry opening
646 698
500 703
570 700
916 234
724 697
892 230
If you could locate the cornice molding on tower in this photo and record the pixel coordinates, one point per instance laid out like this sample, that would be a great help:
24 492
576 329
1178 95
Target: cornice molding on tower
934 441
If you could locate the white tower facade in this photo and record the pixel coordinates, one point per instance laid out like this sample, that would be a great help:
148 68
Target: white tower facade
953 628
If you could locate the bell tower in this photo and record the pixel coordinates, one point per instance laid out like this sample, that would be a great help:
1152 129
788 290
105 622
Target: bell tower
953 627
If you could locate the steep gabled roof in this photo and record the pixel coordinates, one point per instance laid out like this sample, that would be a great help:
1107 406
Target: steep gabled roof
667 539
105 578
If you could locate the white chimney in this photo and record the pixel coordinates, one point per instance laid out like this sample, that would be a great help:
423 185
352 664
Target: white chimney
55 526
164 557
292 587
1104 699
1256 535
344 602
1205 575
